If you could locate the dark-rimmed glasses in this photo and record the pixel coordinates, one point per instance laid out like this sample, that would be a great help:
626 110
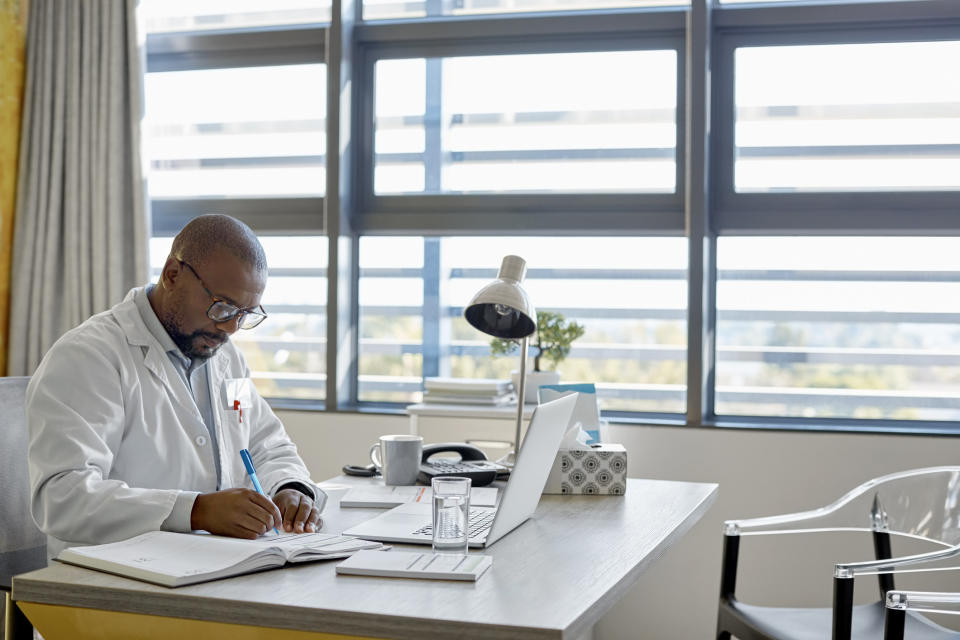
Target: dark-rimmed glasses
223 311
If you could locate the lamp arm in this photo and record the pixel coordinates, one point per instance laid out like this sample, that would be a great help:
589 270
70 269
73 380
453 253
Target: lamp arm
521 392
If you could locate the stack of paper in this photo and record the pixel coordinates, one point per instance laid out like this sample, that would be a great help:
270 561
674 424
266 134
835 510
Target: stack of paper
480 391
384 497
399 564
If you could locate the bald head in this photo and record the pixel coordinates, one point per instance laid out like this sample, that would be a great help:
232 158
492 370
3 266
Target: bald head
208 235
214 260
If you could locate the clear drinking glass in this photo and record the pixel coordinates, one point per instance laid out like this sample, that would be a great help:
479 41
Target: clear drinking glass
451 513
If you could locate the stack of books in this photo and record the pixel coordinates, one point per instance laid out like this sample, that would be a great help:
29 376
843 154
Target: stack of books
480 391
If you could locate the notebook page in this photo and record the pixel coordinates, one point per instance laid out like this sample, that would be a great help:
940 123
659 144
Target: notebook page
173 554
307 546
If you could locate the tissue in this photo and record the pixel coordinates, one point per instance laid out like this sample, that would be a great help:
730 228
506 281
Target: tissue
575 438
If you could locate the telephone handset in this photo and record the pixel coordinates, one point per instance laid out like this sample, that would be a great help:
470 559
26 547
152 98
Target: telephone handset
473 464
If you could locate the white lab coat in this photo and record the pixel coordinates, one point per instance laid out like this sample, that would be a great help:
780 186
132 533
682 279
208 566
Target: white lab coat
116 439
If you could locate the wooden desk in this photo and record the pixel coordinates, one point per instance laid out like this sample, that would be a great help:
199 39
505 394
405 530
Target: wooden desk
552 577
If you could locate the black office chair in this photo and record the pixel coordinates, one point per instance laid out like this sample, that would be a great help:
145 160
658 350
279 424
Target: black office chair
922 505
901 604
22 546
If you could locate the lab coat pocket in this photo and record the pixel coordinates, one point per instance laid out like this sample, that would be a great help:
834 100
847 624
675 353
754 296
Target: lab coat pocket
237 393
236 414
236 426
234 436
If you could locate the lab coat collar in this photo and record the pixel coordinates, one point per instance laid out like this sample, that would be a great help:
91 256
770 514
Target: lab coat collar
137 334
155 358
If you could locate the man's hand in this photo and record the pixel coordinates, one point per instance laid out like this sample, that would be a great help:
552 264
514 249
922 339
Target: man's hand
299 514
240 513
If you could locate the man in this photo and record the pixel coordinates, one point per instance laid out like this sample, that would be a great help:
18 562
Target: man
137 416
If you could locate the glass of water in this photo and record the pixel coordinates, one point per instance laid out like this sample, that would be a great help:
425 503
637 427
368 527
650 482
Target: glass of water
451 514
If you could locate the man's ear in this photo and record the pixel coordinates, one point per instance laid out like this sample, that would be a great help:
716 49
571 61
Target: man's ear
171 272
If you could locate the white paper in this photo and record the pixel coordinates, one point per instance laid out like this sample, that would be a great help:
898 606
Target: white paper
384 496
401 564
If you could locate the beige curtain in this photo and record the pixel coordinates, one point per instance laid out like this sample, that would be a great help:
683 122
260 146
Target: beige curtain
13 32
81 229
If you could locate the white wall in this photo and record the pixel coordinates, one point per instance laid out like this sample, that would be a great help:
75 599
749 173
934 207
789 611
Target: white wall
759 472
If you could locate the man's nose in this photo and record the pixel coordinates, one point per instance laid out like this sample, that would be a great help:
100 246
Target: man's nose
230 326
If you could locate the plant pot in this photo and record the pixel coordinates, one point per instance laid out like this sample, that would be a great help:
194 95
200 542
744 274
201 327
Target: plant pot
534 380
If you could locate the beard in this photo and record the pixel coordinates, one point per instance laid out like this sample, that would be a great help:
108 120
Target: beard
193 345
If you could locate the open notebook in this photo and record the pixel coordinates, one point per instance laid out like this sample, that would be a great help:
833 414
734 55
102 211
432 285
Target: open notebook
176 559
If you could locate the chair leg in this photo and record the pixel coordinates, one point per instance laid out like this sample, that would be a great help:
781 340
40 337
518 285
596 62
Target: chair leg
722 633
842 608
893 625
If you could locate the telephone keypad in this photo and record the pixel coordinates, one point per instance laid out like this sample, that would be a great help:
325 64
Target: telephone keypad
481 472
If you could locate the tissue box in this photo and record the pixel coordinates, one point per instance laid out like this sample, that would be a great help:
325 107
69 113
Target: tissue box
600 470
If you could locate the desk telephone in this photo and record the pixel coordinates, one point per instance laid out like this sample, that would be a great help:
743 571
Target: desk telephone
473 464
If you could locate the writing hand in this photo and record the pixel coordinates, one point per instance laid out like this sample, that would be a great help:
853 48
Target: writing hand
299 513
239 513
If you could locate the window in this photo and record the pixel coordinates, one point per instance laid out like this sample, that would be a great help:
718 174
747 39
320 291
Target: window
839 327
164 16
536 123
243 132
787 2
246 134
776 185
383 9
848 117
628 293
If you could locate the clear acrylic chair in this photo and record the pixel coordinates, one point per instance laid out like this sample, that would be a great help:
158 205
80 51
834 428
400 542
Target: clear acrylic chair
901 603
921 506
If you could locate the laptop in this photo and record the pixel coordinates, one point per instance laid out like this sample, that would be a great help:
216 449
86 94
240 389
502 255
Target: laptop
413 522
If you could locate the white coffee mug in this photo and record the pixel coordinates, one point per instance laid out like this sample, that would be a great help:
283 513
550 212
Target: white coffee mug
397 457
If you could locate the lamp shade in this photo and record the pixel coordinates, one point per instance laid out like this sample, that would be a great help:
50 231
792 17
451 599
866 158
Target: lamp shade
501 309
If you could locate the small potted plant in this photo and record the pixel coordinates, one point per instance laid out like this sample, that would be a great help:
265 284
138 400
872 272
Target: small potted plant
552 341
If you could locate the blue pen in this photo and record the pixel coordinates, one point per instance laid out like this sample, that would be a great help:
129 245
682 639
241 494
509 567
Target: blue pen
248 463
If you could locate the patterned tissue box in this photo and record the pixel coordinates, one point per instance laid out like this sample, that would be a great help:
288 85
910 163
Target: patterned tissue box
601 470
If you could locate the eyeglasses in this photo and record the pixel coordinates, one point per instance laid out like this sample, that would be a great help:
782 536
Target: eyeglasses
223 311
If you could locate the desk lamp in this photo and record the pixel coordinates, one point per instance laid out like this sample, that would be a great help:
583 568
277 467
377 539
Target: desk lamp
501 309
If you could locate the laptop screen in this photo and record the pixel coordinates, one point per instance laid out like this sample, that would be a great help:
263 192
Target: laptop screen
533 463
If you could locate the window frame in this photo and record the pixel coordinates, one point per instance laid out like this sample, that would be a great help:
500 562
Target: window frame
840 212
230 49
705 35
449 214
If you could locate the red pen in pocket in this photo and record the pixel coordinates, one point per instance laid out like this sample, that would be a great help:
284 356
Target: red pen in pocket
236 407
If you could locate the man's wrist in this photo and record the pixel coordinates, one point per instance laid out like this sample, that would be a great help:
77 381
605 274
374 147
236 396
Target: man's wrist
197 512
298 486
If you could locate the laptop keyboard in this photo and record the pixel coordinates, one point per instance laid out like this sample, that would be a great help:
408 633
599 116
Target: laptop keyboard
480 522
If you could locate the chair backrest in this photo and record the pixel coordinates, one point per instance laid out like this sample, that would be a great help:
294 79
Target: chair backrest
23 547
919 503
